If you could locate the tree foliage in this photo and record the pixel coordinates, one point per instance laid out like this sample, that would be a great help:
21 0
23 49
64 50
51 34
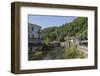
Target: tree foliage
78 27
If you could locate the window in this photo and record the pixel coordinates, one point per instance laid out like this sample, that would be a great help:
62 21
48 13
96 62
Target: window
39 32
32 28
32 36
28 36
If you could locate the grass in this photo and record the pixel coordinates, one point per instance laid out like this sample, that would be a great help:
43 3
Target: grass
73 53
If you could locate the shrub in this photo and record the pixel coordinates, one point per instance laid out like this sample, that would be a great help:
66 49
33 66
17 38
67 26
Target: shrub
72 53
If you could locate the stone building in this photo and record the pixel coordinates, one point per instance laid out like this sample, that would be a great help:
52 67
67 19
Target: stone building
34 33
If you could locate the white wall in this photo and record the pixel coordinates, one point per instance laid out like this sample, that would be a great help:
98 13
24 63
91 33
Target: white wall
34 32
5 33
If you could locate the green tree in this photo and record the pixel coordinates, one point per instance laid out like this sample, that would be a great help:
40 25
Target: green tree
78 27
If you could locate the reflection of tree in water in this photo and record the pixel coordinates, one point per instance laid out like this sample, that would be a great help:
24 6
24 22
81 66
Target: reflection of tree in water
55 53
58 53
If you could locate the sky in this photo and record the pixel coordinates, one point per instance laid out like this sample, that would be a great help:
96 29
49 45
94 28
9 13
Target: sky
48 21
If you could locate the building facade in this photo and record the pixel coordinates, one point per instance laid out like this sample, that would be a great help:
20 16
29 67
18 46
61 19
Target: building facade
34 34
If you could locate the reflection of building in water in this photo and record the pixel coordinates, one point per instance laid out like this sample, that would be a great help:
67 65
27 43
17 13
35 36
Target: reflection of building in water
34 35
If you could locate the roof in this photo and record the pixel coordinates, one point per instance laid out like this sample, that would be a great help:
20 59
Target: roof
34 25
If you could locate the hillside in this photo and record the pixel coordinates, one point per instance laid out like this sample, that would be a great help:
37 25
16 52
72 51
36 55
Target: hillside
77 27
